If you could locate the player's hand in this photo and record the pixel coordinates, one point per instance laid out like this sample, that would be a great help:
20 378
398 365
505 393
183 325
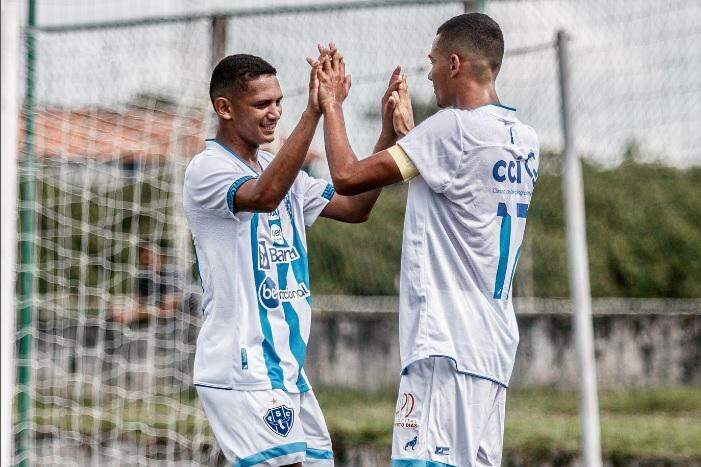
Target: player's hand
334 84
324 53
313 102
387 107
403 114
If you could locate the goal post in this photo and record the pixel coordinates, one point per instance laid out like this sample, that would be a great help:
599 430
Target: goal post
577 257
8 185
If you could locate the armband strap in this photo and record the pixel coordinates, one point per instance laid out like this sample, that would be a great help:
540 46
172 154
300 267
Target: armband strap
406 167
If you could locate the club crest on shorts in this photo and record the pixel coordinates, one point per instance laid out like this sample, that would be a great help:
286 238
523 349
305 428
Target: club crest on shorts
280 419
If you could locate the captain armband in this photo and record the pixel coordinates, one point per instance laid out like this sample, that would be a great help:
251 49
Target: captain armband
406 167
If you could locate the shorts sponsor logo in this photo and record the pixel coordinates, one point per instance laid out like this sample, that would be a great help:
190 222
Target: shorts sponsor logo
276 234
411 444
280 420
405 405
405 408
406 423
270 296
442 450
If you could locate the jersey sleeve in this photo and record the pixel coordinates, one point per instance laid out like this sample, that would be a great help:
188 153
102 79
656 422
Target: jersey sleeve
212 184
436 149
317 193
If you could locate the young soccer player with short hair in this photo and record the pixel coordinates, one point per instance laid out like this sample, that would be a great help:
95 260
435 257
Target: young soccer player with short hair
463 230
247 211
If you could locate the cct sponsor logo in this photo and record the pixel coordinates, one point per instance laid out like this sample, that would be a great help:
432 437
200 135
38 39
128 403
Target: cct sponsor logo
513 170
270 296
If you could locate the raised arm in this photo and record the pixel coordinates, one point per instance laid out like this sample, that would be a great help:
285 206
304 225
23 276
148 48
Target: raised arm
352 176
264 194
357 208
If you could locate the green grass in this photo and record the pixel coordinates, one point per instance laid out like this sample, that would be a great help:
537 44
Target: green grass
544 424
541 424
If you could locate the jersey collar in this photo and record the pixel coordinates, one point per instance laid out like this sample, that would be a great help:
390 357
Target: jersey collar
213 143
500 110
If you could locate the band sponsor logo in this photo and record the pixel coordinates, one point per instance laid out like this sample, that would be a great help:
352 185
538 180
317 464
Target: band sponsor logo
270 255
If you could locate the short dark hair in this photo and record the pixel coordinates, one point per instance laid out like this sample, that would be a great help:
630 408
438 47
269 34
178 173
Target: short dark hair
233 72
473 33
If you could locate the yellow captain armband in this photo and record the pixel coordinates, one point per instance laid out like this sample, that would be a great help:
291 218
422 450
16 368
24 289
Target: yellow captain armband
406 167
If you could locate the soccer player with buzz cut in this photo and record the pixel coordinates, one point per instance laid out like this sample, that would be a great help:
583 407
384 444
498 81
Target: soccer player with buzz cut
475 167
247 211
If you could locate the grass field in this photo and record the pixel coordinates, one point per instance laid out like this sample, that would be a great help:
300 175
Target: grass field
663 424
542 426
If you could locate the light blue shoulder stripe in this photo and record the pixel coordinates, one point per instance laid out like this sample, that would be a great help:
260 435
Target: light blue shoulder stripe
231 193
319 454
328 192
271 453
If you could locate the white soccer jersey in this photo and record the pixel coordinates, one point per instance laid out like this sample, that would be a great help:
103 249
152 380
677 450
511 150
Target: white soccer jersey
254 273
463 232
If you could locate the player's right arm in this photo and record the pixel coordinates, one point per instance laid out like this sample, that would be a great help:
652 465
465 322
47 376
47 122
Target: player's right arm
264 193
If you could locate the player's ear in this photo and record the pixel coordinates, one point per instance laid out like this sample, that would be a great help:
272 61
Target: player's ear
222 106
455 63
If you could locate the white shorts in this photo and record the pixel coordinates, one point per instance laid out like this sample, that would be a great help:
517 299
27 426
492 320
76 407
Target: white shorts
270 427
446 418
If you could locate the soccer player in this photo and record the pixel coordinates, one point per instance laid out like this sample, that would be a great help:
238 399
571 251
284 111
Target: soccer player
247 211
476 166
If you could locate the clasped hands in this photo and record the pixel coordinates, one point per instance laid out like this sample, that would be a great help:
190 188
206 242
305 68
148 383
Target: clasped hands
329 86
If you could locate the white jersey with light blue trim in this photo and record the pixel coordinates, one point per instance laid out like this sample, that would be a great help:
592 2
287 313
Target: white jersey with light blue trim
463 234
254 272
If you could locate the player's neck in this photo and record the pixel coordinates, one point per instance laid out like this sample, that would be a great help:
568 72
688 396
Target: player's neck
232 141
473 95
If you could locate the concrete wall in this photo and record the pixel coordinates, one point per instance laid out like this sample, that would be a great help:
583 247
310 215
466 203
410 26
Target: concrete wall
354 343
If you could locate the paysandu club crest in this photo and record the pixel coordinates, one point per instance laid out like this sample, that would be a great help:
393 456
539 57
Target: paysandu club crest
280 419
